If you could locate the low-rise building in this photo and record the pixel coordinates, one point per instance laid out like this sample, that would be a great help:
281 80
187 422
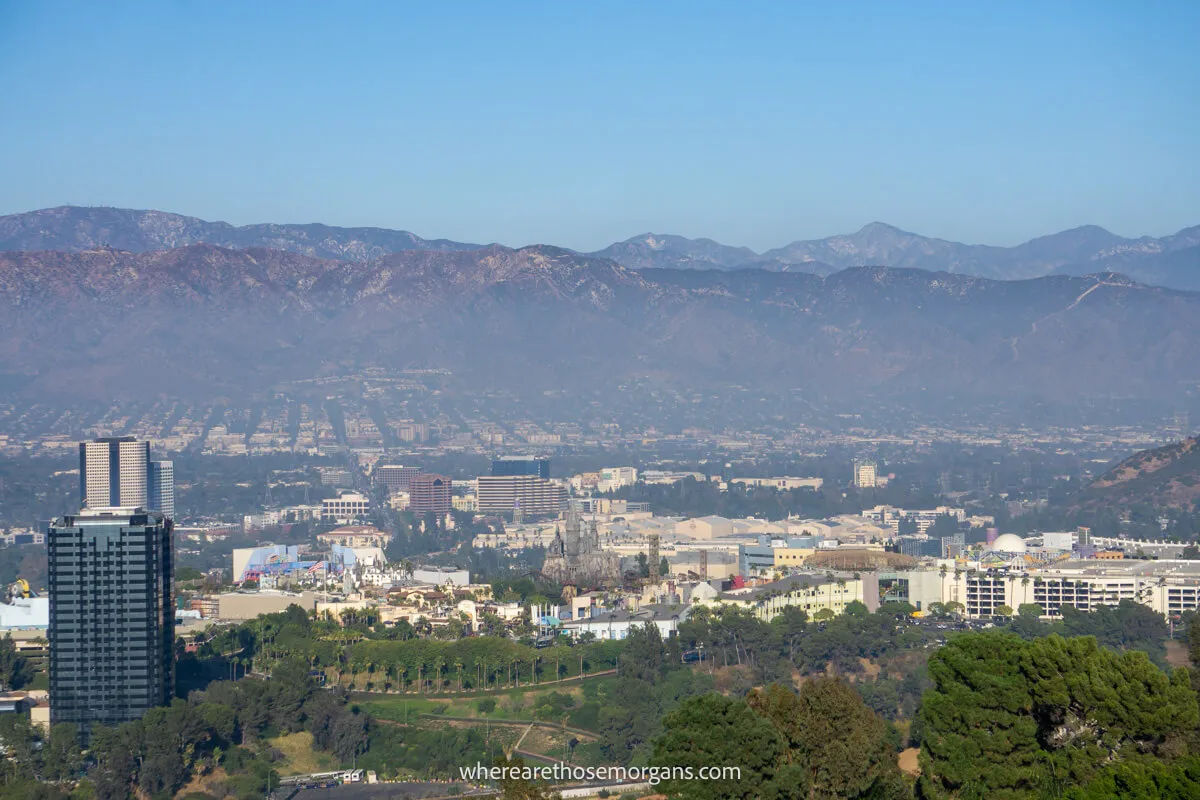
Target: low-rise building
238 606
347 507
783 484
710 527
613 478
809 593
354 536
924 518
616 625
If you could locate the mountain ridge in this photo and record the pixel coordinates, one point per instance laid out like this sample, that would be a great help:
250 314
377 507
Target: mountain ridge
1172 261
1163 477
212 320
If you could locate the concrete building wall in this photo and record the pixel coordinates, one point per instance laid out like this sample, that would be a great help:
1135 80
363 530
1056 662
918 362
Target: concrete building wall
238 606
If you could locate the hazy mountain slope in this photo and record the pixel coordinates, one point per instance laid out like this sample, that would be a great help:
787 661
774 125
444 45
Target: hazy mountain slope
1179 269
208 321
1166 476
652 250
72 228
880 244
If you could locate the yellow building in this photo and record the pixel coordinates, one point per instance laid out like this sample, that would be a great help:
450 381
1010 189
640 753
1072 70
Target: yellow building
810 594
792 556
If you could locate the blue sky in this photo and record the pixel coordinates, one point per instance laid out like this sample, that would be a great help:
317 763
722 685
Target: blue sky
580 124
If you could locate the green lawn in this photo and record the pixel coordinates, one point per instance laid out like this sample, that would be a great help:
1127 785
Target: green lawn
510 705
299 756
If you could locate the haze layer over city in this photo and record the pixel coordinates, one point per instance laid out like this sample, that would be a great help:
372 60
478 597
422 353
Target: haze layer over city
549 401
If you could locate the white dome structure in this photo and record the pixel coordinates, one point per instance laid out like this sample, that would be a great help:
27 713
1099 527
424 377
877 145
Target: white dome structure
1009 543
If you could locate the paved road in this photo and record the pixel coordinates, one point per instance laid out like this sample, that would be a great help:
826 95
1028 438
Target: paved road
386 791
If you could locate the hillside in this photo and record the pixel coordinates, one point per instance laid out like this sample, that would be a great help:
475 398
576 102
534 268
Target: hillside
1166 477
73 228
205 321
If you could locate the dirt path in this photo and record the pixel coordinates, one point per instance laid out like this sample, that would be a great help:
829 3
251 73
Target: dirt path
908 761
553 727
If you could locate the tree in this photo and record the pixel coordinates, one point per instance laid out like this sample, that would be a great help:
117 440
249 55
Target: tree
1193 638
1030 611
823 615
1009 717
518 783
62 757
15 670
856 608
1004 611
978 692
836 746
716 731
20 743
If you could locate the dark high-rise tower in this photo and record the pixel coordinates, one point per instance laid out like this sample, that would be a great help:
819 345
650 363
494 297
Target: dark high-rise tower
511 466
112 622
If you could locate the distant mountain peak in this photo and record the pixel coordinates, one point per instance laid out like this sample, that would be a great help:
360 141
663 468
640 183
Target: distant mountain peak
881 227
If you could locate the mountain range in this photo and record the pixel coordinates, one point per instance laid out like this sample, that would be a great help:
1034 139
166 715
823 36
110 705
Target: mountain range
206 321
1172 261
1168 261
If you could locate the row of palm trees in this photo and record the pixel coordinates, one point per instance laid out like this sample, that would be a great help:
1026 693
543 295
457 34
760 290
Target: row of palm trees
483 675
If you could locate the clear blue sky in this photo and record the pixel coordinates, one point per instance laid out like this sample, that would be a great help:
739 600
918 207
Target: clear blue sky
582 123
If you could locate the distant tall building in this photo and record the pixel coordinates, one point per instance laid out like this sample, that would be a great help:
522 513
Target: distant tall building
509 466
345 508
395 477
114 473
865 475
429 493
534 496
613 478
112 616
162 488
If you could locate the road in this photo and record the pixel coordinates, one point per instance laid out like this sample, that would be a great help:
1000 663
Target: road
391 791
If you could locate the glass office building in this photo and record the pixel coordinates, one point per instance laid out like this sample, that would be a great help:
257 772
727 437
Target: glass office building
513 466
162 488
112 620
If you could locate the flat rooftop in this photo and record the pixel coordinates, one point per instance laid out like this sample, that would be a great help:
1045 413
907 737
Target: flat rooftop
1132 568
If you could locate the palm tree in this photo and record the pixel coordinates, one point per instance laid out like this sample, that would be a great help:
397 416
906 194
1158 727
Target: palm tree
459 665
440 666
339 661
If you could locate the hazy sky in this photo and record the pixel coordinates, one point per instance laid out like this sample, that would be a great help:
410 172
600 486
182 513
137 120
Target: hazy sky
582 123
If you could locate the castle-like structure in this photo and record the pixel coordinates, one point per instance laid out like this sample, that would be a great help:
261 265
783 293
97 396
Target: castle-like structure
575 558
